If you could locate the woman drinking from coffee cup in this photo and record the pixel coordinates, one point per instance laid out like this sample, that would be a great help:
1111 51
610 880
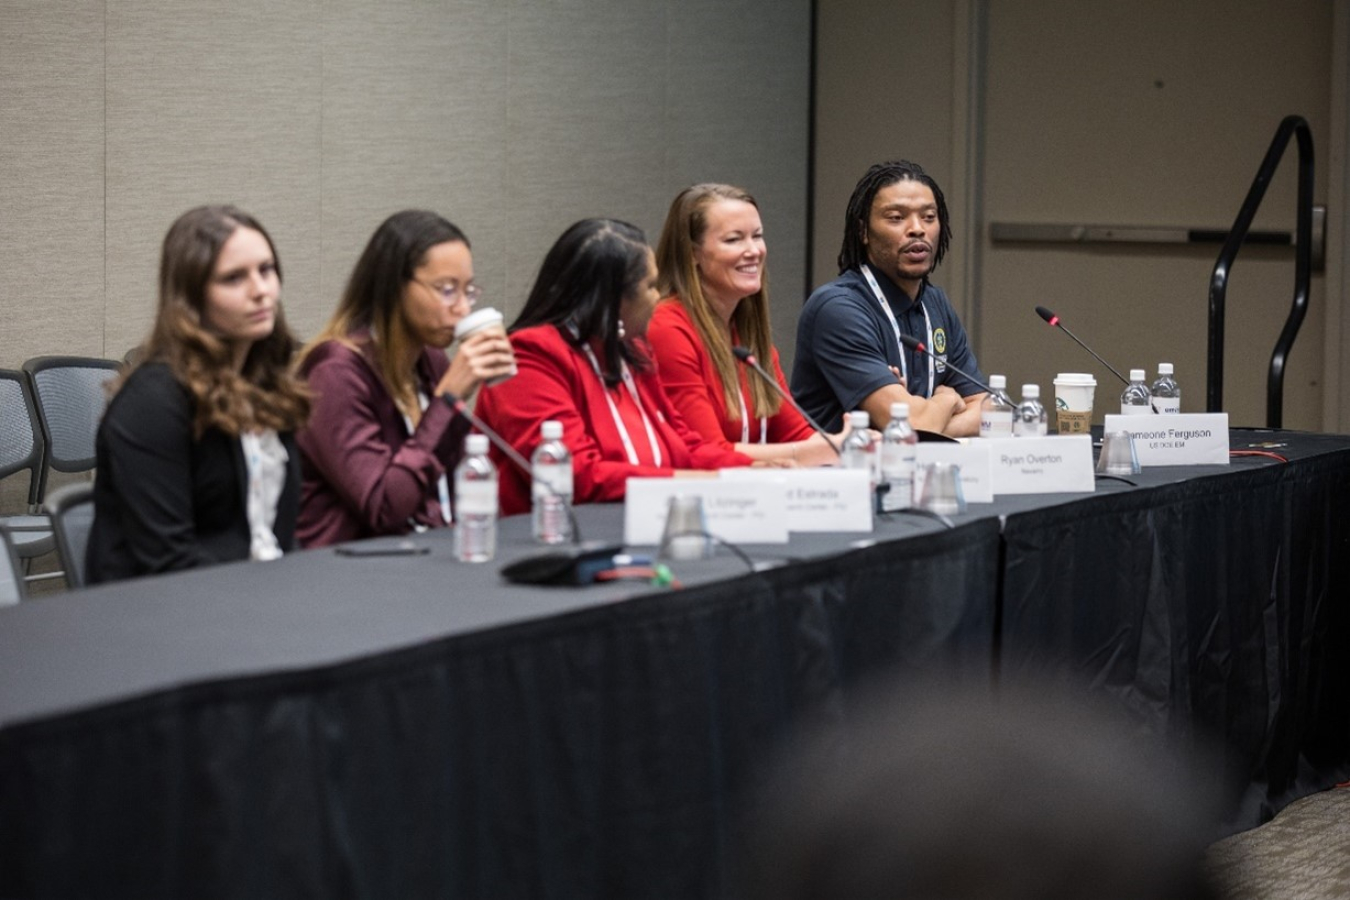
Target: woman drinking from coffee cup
383 437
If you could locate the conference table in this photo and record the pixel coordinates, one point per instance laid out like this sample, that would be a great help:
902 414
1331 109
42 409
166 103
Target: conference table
410 725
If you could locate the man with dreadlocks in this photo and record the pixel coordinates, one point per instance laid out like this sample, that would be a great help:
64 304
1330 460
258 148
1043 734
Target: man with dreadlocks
849 354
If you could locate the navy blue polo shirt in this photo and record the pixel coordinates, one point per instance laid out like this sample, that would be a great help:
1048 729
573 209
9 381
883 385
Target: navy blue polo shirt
845 345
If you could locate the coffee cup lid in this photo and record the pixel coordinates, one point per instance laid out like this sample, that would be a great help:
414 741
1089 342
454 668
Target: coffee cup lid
479 318
1075 378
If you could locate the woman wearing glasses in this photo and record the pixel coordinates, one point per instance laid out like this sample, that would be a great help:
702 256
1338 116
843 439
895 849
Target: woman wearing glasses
583 362
196 460
381 446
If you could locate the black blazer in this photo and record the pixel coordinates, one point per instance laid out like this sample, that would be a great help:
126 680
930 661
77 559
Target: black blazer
164 501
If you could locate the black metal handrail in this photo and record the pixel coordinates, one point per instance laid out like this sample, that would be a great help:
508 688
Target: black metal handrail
1218 282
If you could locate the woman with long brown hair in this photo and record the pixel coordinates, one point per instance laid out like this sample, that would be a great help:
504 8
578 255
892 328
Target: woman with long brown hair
196 456
384 438
714 283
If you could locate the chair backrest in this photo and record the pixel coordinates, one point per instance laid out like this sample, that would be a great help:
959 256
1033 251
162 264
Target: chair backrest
11 576
70 398
20 434
72 511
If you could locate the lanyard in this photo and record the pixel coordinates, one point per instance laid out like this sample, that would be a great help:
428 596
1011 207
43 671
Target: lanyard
895 326
614 410
442 483
745 421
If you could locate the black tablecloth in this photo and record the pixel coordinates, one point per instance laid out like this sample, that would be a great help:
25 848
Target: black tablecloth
414 726
1209 608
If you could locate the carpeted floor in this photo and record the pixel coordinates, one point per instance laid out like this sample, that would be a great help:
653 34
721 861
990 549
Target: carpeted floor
1301 854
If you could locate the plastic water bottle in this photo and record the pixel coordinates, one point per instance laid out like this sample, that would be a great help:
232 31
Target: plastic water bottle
899 446
1136 400
859 452
1166 391
476 503
1031 420
551 471
996 412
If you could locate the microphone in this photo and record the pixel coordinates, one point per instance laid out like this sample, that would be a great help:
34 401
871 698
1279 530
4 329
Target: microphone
1054 321
745 356
462 409
916 344
573 565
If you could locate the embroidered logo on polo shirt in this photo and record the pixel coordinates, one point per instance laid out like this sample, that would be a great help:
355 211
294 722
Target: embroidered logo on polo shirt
939 340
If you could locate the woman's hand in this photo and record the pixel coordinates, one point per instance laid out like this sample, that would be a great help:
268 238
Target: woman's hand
481 357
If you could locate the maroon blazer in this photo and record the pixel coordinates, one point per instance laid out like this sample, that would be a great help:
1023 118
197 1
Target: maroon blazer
363 474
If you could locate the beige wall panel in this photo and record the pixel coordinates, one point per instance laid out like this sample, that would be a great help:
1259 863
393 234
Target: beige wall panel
738 91
586 123
884 90
51 178
414 112
209 103
1145 111
1336 396
1148 113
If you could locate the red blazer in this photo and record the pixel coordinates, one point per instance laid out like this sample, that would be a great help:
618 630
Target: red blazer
557 382
691 383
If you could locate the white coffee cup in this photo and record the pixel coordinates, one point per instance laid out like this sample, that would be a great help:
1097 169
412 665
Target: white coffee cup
1073 401
485 319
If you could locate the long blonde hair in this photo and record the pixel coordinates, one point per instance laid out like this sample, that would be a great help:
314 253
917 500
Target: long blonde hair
265 393
373 298
686 224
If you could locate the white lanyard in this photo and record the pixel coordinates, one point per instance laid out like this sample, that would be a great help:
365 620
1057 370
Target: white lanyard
614 410
745 421
442 483
895 326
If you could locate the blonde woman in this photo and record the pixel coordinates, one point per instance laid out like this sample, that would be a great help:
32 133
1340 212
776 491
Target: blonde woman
714 282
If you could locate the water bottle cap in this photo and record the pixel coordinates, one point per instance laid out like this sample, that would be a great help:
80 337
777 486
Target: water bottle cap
476 444
1031 391
551 430
859 419
1164 368
998 382
1136 374
899 410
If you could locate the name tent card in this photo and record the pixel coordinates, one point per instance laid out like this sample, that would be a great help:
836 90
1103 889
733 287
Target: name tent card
816 499
737 512
1043 465
1183 439
977 481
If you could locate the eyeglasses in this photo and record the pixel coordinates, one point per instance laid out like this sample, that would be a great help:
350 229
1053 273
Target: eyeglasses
451 291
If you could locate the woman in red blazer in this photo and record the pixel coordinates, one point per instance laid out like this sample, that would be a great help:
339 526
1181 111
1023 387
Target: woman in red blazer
578 345
712 259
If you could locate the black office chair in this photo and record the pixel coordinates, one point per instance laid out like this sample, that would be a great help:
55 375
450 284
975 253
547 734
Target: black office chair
21 448
11 578
71 396
72 511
